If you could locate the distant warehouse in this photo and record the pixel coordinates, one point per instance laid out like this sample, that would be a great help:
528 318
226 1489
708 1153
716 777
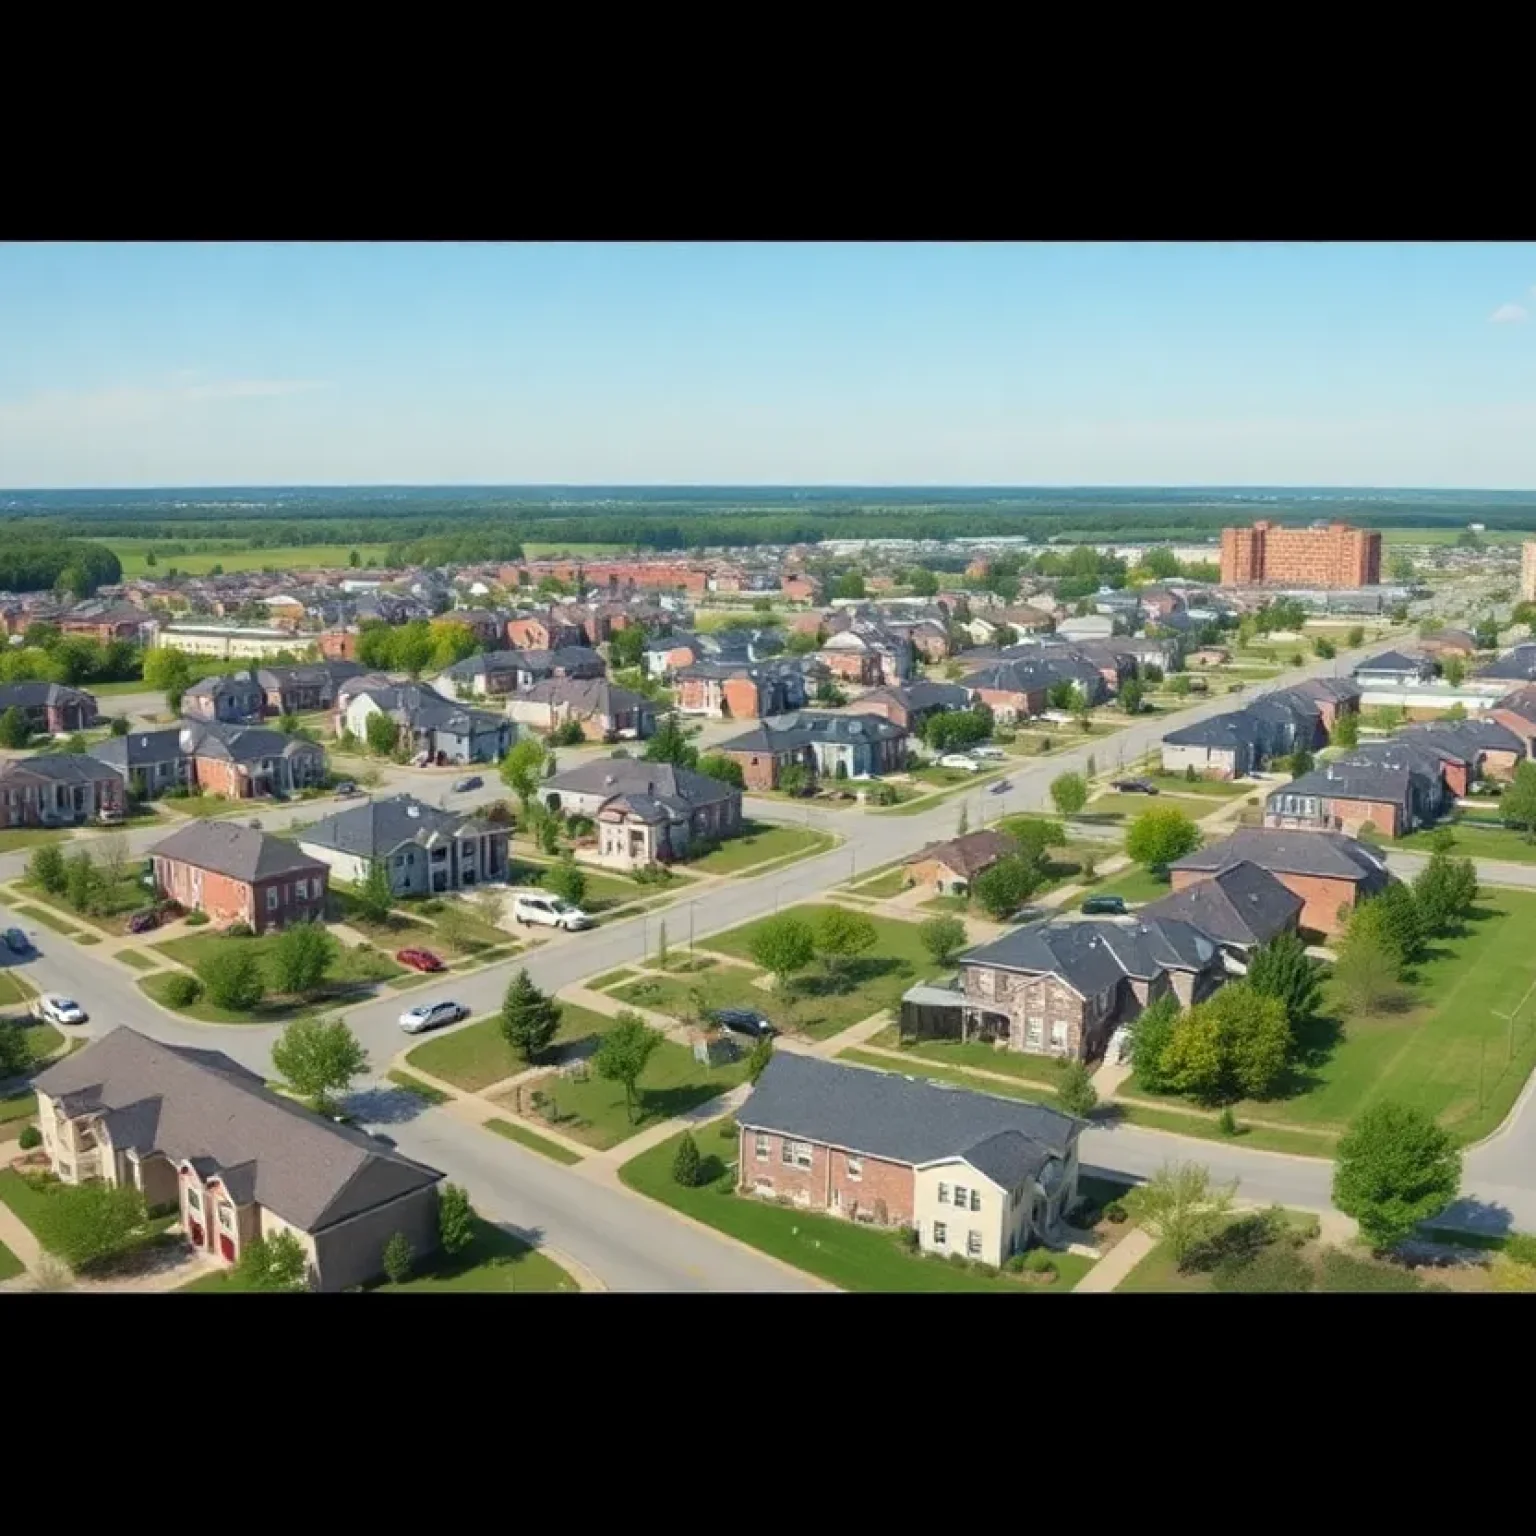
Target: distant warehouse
230 640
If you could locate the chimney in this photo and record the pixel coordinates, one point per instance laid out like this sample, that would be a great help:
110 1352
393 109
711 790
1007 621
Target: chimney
413 810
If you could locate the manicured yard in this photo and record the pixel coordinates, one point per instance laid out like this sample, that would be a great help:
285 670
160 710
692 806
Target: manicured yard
960 1055
137 959
423 1091
42 1039
475 1055
1258 1138
16 1110
23 1197
117 900
852 1257
907 1066
1474 842
610 979
211 807
1136 884
592 1109
10 1265
892 883
29 837
14 988
533 1141
48 918
816 1004
758 844
1177 784
1118 807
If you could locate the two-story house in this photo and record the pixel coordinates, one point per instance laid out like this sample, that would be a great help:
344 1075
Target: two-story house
425 850
439 730
59 789
238 874
50 707
829 746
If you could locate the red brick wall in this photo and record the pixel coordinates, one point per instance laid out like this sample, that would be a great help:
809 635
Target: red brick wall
528 634
1006 703
886 1188
853 666
758 769
1335 556
740 697
338 645
694 693
218 777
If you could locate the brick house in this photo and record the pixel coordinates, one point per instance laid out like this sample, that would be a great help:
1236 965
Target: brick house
1060 988
231 700
309 686
798 587
493 674
646 813
337 644
829 746
239 761
50 707
949 868
911 704
1330 872
62 789
1240 907
196 1130
546 630
739 690
569 661
1491 748
439 730
1335 555
426 851
1340 797
106 622
603 711
973 1174
868 654
237 874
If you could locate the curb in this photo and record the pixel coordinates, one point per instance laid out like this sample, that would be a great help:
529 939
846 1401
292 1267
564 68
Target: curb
585 1279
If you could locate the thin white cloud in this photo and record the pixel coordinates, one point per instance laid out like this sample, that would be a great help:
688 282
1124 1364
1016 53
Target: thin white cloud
1510 314
94 409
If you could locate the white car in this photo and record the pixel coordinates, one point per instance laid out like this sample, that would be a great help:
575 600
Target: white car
431 1016
60 1010
989 754
550 911
960 760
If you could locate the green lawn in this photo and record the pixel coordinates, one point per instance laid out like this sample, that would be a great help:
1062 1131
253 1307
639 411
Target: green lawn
10 1265
494 1261
48 918
592 1109
892 883
42 1039
208 807
852 1257
1258 1138
351 968
132 553
476 1055
1159 1272
1135 884
960 1055
29 837
609 979
533 1141
14 988
1177 784
423 1091
761 843
1474 842
137 959
1120 807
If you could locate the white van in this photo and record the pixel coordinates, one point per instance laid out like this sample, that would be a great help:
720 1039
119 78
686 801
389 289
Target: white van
549 912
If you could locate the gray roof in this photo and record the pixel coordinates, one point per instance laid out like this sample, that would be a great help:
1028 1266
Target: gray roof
486 664
205 1108
139 747
1236 729
420 708
568 658
243 853
634 779
1517 664
239 683
587 696
1384 783
881 1114
61 767
1241 904
1466 738
1326 855
1394 661
919 696
784 733
35 695
378 827
1091 954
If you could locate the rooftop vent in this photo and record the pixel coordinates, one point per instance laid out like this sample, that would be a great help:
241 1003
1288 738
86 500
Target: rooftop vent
413 810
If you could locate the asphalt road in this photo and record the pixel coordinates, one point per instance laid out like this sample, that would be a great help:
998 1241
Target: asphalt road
630 1243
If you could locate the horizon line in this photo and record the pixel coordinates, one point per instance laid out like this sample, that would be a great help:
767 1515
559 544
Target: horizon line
757 485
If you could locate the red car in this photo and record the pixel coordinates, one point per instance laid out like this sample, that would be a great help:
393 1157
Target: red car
420 960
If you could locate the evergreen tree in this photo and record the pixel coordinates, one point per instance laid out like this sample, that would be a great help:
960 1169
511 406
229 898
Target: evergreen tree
529 1019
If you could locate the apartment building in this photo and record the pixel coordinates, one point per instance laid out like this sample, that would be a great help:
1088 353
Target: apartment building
1331 555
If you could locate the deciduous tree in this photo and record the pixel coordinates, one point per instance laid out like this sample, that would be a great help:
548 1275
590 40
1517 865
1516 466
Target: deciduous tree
1160 835
276 1263
381 733
841 935
670 745
1075 1091
626 647
1368 967
1150 1035
530 1019
522 768
622 1054
87 1224
1282 969
1518 803
300 958
1235 1043
1006 886
726 769
318 1059
782 946
455 1219
1069 793
1181 1207
46 870
399 1256
1395 1168
1346 730
375 896
567 880
759 1057
232 977
943 938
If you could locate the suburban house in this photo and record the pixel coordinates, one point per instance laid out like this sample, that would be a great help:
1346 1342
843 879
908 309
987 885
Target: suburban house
440 731
645 813
567 661
1240 907
604 712
666 654
972 1174
109 621
240 761
59 789
1345 797
830 746
1492 749
230 700
949 868
238 874
194 1129
748 690
489 675
1061 987
1229 746
868 654
1516 712
1394 669
1327 870
309 686
912 704
1448 642
50 707
1516 665
546 630
426 851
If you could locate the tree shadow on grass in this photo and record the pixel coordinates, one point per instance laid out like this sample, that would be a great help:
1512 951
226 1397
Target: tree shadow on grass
850 976
1484 1218
659 1104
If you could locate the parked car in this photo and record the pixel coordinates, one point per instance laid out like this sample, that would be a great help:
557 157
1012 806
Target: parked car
254 823
961 761
57 1009
989 754
345 789
1134 787
431 1016
16 941
744 1021
420 960
550 911
142 922
1001 787
1103 906
109 818
474 781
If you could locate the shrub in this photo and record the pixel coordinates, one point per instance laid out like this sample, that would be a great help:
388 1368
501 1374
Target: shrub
1271 1270
1014 1263
1239 1242
398 1253
907 1237
196 919
988 1270
1521 1247
1344 1272
239 931
30 1138
182 990
1308 1232
959 1261
1039 1262
1227 1123
119 726
1114 1212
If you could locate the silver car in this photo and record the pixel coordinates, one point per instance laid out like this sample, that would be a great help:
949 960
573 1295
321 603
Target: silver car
57 1009
426 1016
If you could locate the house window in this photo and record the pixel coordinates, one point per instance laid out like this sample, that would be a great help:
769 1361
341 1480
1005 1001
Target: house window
797 1153
226 1218
973 1243
1058 1035
761 1147
194 1200
975 1199
855 1169
1036 1031
943 1194
940 1234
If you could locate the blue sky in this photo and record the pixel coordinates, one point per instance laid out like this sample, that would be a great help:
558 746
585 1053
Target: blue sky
1126 364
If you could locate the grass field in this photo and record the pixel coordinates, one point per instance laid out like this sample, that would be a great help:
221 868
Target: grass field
1177 784
849 1256
132 553
759 844
1475 842
533 1141
473 1057
892 883
423 1091
957 1055
10 1265
1135 884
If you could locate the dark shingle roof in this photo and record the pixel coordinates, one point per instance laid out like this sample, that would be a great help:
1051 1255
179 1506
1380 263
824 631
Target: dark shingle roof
243 853
1383 783
1326 855
1237 729
969 854
1092 954
380 826
1517 665
35 695
881 1114
634 777
61 767
587 696
1241 904
784 733
305 1169
1393 661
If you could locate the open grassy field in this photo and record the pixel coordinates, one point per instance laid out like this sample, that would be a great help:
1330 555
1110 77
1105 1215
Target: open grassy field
1475 842
476 1055
849 1256
132 553
759 844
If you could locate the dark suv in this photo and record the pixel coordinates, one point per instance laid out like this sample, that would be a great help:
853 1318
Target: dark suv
1103 906
1134 787
744 1021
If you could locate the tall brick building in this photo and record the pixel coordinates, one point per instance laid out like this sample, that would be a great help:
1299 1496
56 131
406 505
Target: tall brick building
1334 556
1528 571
